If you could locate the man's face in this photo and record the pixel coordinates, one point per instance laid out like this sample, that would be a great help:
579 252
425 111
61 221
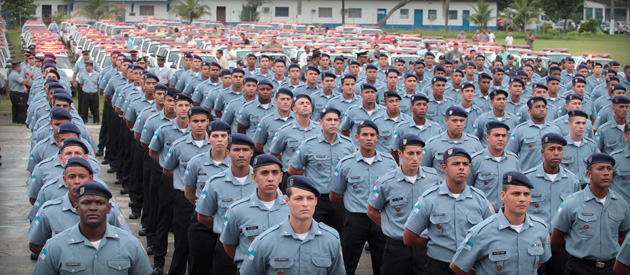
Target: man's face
348 86
382 61
456 168
301 204
438 87
330 123
399 66
498 102
251 61
353 69
556 73
497 77
479 62
214 72
328 83
71 151
149 86
456 78
583 71
324 61
237 80
368 95
136 77
62 104
311 77
577 124
264 92
227 80
74 176
294 73
455 124
529 72
484 84
448 67
429 60
264 63
392 79
392 104
601 174
181 108
419 108
218 140
169 104
86 56
516 199
410 83
419 69
538 111
540 92
205 72
283 102
250 89
371 75
338 65
92 210
574 104
62 137
516 89
196 64
267 178
240 155
569 65
468 94
161 62
579 88
158 95
553 86
410 157
470 70
302 107
620 110
597 70
367 138
497 138
278 68
188 62
54 123
198 124
552 154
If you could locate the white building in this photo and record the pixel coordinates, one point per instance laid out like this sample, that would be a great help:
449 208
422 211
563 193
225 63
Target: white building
601 11
327 13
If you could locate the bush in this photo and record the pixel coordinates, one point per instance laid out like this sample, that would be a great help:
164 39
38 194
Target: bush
588 33
589 25
573 33
552 32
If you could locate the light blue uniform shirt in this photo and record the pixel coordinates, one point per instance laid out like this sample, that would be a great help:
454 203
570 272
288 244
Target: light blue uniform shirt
143 117
525 142
151 126
204 88
473 114
47 148
354 178
249 217
89 81
230 113
251 113
427 131
224 97
210 96
164 138
342 104
494 247
574 158
434 151
357 113
189 89
176 75
200 168
318 158
279 249
486 173
394 194
182 150
320 101
552 113
307 90
609 137
288 138
70 252
437 110
387 129
184 78
79 67
15 81
53 189
480 124
268 127
592 228
514 107
51 167
221 191
624 252
163 73
447 219
621 178
136 106
547 194
563 123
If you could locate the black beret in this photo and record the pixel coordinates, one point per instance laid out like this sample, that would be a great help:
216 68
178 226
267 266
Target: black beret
328 74
418 97
150 75
535 99
438 79
59 113
411 75
161 87
81 162
382 55
576 112
225 72
251 55
126 60
265 159
238 71
456 111
516 178
265 82
68 127
389 94
368 123
521 73
516 79
181 96
198 110
136 67
485 76
554 68
293 65
197 57
312 68
206 63
93 188
74 142
338 58
418 62
240 139
303 96
302 182
480 55
497 69
498 91
328 110
367 86
467 85
572 97
250 79
577 80
61 94
446 61
285 91
410 139
56 85
552 78
620 100
279 60
613 63
348 76
161 58
439 68
456 151
397 60
540 86
457 70
172 92
493 124
599 158
429 53
218 125
370 67
553 138
619 87
472 64
354 62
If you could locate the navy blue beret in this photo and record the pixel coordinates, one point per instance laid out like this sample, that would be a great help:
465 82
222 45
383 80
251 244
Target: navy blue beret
225 72
302 182
126 60
410 139
172 92
240 139
619 87
480 55
620 100
572 97
439 68
251 55
535 99
554 68
370 67
428 53
612 78
516 79
279 60
485 76
497 69
569 59
457 70
328 74
418 97
160 87
265 159
294 65
197 57
58 113
578 80
325 111
438 79
188 55
446 61
62 95
312 68
265 82
553 138
354 62
302 96
392 70
516 178
51 80
498 91
74 142
81 162
471 64
521 73
93 188
238 71
613 63
382 55
205 63
467 85
418 62
456 111
397 60
198 110
582 66
493 124
411 75
218 125
528 65
599 158
250 79
181 96
389 94
540 86
456 151
150 75
68 127
339 58
576 112
368 123
136 67
552 78
348 76
285 91
367 86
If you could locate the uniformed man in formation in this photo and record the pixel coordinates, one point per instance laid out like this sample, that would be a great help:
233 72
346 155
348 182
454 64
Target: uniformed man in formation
260 171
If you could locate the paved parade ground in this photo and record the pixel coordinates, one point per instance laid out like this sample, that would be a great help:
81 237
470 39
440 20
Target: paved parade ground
14 206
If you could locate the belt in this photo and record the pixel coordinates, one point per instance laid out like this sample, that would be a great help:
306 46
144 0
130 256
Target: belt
395 241
438 263
596 264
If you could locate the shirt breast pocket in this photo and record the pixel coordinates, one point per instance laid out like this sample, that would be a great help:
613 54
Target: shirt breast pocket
529 143
72 268
535 252
623 176
536 203
281 265
293 144
439 158
225 203
320 161
612 145
586 224
474 219
321 264
614 221
354 183
252 232
440 223
398 206
485 179
118 266
568 161
499 259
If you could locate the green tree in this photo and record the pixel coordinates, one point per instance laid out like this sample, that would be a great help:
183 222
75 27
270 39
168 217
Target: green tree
15 12
249 11
522 12
59 17
98 9
569 8
482 14
191 9
400 4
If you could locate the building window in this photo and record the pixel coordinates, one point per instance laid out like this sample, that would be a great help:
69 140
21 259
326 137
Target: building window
452 15
62 9
325 12
46 9
404 13
432 14
146 10
354 13
282 11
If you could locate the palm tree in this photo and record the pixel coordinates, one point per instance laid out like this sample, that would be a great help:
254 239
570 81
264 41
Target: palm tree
59 17
483 14
522 12
400 4
98 9
191 9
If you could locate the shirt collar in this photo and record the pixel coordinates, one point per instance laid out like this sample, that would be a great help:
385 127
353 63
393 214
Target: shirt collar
321 138
77 237
229 176
488 155
400 176
287 230
66 204
254 201
466 193
504 223
588 195
540 173
225 162
359 157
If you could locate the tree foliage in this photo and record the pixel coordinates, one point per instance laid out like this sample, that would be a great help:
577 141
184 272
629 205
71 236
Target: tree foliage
399 5
16 12
191 9
482 14
522 12
567 10
99 9
249 12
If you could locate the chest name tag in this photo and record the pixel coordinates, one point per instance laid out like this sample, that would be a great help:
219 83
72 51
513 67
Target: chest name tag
439 215
251 228
537 196
499 253
397 199
282 259
73 264
355 178
587 214
226 200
